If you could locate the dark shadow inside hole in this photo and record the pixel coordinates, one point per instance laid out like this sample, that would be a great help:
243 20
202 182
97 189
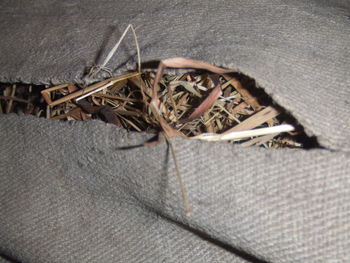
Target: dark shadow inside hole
308 142
8 258
24 101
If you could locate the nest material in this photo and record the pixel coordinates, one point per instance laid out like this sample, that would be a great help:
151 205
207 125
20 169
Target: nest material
194 105
187 104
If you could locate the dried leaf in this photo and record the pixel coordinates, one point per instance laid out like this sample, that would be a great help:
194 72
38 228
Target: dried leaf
205 105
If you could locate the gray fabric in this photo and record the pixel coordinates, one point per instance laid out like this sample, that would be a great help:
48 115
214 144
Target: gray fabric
299 51
69 193
75 192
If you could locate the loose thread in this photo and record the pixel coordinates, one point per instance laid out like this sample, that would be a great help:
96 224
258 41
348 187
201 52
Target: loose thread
184 191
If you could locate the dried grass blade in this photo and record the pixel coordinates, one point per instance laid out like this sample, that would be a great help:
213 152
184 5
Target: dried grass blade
71 113
10 102
196 64
229 114
259 140
251 100
46 93
205 105
255 120
168 130
173 103
91 89
187 85
130 123
115 97
101 85
117 86
237 135
240 108
182 63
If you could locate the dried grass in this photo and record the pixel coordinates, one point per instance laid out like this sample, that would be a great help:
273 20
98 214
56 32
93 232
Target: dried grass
198 105
215 105
195 105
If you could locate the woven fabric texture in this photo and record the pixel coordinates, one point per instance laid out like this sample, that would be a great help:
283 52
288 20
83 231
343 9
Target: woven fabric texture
85 191
298 51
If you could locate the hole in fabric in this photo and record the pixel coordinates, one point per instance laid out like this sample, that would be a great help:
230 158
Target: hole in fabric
186 102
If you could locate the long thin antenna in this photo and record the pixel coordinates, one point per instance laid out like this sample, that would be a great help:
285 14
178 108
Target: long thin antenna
116 46
183 188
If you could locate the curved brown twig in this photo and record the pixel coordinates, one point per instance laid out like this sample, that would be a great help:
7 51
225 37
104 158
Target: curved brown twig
184 63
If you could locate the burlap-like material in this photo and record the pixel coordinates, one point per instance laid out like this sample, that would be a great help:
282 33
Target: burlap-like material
84 191
299 52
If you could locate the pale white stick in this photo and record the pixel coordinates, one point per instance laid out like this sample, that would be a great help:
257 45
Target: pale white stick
96 90
244 134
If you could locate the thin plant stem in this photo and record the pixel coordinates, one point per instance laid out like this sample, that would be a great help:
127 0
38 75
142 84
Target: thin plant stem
116 46
184 191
